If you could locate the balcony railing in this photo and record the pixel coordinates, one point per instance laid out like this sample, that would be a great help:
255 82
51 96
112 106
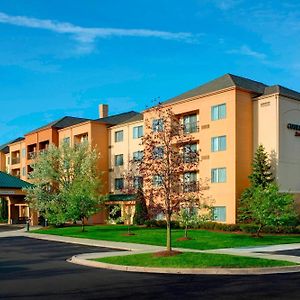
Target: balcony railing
186 128
32 155
191 127
189 187
191 157
15 160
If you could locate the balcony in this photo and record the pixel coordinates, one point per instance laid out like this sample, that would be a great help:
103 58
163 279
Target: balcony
186 128
190 158
15 172
31 151
191 127
190 187
15 160
32 155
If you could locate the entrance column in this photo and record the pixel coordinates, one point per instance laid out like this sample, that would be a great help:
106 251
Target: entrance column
8 210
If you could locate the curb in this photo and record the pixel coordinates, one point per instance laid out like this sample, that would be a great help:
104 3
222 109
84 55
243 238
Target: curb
82 259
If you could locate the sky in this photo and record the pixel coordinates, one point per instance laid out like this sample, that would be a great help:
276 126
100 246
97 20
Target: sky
65 57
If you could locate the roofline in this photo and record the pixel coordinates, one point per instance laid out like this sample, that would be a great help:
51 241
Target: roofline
195 97
125 124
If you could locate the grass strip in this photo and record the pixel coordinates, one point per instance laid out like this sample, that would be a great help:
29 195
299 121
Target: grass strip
201 239
193 260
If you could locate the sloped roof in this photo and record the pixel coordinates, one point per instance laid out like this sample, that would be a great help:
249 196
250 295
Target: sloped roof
5 147
119 118
223 82
9 181
121 197
137 117
281 90
61 123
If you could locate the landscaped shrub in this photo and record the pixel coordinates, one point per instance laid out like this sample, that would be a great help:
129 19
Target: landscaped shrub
161 224
246 228
249 228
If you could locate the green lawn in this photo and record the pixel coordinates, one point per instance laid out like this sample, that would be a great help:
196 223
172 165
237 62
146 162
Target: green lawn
202 239
193 260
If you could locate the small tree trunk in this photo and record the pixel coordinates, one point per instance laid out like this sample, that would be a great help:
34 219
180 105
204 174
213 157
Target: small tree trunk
258 231
169 246
185 231
82 224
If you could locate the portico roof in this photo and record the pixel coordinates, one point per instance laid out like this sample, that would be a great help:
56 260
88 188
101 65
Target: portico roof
11 182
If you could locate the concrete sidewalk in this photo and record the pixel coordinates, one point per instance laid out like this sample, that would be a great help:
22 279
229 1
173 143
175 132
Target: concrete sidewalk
132 248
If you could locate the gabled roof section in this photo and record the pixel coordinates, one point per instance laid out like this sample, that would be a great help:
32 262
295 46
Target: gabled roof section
5 147
136 118
61 123
283 91
223 82
9 181
119 118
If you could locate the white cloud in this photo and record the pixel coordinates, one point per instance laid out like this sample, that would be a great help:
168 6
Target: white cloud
226 4
86 36
247 51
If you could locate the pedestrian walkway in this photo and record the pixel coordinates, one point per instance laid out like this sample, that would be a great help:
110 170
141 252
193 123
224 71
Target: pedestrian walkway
266 252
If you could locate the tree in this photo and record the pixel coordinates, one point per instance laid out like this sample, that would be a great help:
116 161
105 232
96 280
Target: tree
141 211
169 164
261 174
194 212
269 207
66 183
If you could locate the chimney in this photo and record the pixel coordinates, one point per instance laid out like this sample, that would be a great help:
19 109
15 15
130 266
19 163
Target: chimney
103 110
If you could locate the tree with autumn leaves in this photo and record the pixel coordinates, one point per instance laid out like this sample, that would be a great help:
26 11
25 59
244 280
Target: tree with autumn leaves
169 166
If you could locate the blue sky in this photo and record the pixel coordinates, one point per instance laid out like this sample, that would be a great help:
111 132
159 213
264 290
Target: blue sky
64 57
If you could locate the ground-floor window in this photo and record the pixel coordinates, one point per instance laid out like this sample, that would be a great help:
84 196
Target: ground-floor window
219 213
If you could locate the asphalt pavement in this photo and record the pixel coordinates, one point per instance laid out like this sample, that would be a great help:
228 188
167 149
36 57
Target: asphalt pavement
37 269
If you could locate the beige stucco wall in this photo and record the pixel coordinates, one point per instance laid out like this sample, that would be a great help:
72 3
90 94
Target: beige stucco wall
13 167
266 127
223 194
126 147
289 146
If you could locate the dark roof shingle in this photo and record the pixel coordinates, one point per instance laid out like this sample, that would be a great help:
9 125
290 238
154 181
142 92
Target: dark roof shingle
61 123
119 118
226 81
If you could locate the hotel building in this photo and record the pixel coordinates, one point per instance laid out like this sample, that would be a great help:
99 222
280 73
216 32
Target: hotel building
227 118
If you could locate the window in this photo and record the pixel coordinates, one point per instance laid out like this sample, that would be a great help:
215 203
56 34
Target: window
119 184
24 171
218 112
8 160
23 152
190 182
190 124
157 180
119 136
157 125
218 143
218 175
137 156
219 213
137 132
66 140
119 160
137 182
158 152
190 153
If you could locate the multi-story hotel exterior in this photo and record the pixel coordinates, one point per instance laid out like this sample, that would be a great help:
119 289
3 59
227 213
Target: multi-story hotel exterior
227 119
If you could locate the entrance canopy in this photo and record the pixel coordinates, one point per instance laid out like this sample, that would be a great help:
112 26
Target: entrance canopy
11 189
11 185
